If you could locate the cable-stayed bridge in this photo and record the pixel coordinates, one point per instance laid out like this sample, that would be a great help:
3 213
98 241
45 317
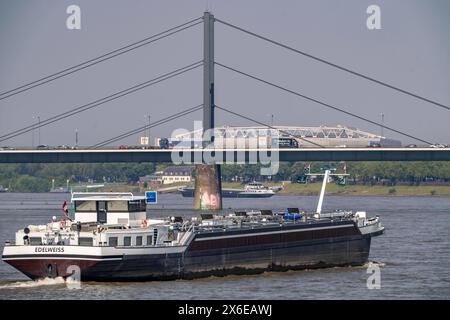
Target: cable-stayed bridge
209 108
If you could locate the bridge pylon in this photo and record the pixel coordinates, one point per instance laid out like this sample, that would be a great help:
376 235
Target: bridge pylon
208 186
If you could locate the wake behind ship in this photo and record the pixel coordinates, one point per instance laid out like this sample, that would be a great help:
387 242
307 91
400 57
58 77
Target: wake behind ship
108 237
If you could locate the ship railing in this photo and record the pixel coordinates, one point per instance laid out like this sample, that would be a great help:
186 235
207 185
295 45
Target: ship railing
191 228
188 233
186 226
80 195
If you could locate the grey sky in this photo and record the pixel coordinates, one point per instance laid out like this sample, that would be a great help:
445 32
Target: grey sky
411 51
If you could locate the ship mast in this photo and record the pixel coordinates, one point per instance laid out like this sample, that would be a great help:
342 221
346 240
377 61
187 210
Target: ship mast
326 175
322 191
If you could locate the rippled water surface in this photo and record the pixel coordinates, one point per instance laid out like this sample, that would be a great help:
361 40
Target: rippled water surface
414 255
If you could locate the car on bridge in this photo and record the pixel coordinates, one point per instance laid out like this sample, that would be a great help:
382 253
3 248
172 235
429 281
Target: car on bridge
7 148
439 145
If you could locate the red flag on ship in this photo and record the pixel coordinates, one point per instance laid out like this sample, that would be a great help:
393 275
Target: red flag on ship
64 208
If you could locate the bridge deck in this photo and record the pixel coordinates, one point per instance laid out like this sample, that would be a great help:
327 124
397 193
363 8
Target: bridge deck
229 155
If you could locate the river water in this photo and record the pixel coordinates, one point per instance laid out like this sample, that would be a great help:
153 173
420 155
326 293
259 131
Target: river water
413 255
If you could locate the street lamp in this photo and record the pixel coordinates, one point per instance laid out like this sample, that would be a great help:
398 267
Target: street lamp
39 130
32 137
149 123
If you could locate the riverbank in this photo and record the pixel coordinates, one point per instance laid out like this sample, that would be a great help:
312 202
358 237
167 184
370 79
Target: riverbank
333 189
357 190
312 189
367 190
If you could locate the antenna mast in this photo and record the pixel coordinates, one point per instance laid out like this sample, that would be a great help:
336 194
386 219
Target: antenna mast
322 192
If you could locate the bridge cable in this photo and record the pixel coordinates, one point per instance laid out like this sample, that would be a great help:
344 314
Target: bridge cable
101 58
101 101
335 65
148 126
322 103
269 126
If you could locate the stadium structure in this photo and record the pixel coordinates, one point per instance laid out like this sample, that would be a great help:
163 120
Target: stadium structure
306 137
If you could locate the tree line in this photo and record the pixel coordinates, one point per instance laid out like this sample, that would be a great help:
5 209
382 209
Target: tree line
38 177
413 172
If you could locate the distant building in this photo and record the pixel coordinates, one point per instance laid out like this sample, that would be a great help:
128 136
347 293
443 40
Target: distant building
176 174
254 136
150 179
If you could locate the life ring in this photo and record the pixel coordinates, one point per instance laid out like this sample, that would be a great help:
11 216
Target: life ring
144 223
62 223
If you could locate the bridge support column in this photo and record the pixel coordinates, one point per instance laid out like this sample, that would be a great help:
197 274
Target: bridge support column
208 186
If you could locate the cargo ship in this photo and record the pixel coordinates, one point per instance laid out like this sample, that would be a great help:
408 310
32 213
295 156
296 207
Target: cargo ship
108 237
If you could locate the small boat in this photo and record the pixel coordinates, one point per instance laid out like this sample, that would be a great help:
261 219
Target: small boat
59 190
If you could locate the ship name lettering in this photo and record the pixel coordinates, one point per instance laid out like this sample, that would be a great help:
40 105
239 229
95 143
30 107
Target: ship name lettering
49 249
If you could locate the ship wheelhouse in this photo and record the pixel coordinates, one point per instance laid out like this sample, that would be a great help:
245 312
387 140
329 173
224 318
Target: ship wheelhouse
107 208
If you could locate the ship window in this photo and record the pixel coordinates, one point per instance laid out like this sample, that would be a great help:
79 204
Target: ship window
35 241
127 241
112 241
149 240
85 241
118 206
85 206
137 206
139 240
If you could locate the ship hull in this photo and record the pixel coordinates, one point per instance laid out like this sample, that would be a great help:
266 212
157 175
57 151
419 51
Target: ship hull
218 255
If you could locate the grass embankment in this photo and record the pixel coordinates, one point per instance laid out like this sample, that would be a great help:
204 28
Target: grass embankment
366 190
357 190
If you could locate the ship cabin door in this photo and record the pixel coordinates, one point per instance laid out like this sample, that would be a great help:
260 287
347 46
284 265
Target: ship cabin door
101 211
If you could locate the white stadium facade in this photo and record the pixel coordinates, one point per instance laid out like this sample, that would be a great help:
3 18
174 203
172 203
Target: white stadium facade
305 137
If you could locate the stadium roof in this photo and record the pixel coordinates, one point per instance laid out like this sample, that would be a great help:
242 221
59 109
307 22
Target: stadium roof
337 131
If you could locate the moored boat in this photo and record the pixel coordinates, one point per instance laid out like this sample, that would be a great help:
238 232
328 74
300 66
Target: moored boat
251 190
